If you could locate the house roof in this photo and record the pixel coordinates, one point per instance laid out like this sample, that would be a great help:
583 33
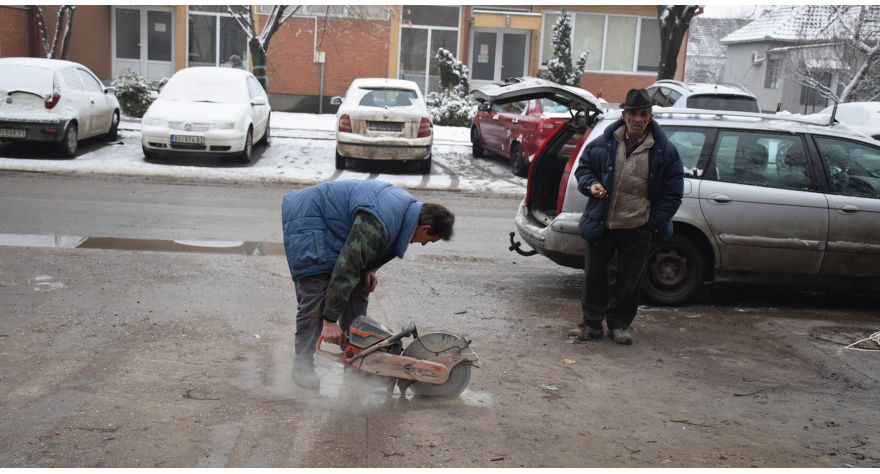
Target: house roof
704 35
795 23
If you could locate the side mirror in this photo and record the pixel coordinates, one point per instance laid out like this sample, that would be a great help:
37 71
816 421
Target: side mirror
431 103
259 101
336 100
484 107
154 95
110 90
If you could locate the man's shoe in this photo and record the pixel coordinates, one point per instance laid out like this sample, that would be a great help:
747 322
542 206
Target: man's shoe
583 333
621 336
305 377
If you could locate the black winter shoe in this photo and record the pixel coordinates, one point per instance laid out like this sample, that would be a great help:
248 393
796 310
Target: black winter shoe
305 377
583 332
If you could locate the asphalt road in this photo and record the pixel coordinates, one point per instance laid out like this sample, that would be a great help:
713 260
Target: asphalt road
129 358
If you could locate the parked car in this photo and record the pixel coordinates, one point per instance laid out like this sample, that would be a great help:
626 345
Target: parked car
863 117
516 130
49 100
383 119
725 96
768 199
207 111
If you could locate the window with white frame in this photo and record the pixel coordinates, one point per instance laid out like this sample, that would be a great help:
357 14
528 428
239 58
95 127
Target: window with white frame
614 43
214 36
373 12
423 30
773 76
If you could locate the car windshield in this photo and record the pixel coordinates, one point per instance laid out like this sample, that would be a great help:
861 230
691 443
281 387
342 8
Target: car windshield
388 98
735 103
29 78
206 88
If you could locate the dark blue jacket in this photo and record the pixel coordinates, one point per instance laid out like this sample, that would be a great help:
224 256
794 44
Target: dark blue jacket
665 182
317 221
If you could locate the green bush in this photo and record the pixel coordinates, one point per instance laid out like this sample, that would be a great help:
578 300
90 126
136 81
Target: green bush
133 92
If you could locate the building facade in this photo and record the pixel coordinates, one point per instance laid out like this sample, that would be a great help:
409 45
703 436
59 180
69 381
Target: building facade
398 41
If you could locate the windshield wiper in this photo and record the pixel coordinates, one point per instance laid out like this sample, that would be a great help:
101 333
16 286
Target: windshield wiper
209 101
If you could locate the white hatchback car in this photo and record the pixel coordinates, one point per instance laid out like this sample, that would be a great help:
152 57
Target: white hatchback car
383 119
211 111
49 100
733 97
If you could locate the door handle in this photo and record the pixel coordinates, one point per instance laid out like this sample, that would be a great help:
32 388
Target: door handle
848 208
495 118
719 199
515 120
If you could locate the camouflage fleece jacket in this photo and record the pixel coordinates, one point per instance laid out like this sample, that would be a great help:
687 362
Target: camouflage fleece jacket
365 239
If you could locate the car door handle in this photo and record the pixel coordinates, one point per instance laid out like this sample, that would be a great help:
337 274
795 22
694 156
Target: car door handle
719 199
515 120
847 209
495 118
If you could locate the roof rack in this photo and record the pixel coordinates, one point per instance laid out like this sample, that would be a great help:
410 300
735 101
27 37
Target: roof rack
672 81
735 86
719 114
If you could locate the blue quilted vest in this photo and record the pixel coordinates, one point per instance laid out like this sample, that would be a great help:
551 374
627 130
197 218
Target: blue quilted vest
317 221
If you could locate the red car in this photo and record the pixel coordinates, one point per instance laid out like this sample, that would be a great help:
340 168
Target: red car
517 130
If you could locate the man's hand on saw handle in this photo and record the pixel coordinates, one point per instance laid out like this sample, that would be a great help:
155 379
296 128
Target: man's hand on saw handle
332 333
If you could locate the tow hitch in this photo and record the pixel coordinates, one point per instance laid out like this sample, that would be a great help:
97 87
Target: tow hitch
514 246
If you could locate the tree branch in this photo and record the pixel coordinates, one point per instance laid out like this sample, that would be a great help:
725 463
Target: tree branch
68 28
243 22
57 30
44 35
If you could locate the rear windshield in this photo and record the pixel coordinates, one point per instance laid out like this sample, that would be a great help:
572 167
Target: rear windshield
29 78
735 103
550 107
389 98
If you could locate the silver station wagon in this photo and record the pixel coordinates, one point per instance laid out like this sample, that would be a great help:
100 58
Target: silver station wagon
768 199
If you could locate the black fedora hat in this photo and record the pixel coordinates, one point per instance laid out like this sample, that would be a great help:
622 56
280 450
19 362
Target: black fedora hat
636 99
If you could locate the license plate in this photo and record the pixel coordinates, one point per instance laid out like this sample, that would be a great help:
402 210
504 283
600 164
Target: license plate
12 133
187 139
385 126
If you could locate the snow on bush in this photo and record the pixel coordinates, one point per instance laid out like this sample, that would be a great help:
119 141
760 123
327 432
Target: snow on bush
133 92
452 105
559 69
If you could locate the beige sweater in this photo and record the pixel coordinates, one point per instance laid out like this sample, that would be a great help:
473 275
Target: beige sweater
630 207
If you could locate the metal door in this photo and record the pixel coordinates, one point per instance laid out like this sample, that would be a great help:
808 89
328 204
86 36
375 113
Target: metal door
143 41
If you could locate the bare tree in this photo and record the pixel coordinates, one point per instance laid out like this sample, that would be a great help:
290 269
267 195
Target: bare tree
65 39
848 47
258 40
674 22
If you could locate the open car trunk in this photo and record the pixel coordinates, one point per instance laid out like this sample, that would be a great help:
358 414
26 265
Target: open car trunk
552 166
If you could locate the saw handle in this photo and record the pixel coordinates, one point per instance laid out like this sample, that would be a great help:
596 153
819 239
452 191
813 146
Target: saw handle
337 356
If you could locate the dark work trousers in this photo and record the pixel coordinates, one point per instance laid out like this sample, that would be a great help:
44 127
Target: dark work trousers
632 246
310 292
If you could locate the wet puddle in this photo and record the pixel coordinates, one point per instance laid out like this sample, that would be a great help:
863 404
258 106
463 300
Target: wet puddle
145 245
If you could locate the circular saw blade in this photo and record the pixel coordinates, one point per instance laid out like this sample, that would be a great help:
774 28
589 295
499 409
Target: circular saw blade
432 345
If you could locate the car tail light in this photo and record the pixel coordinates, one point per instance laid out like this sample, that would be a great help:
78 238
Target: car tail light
569 166
424 129
345 124
546 127
52 100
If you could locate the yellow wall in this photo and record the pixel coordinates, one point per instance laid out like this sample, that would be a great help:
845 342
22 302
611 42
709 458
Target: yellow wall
394 41
180 37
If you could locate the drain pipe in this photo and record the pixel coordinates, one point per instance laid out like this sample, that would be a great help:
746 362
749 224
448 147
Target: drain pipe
319 58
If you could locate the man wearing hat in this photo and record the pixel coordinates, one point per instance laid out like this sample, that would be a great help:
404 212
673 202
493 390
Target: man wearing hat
634 178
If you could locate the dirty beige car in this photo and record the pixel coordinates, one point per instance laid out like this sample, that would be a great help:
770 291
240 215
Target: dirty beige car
383 119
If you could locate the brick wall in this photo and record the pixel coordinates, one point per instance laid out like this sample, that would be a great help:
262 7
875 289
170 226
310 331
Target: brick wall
614 86
353 49
15 32
89 39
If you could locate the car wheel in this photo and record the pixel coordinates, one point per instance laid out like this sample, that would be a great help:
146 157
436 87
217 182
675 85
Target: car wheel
265 140
68 144
340 161
113 133
247 153
520 167
477 144
674 272
425 165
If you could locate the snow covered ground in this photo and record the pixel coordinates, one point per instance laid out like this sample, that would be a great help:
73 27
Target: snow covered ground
302 152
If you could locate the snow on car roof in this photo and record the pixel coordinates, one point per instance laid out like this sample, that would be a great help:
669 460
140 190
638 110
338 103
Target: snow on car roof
40 62
213 71
781 122
379 83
